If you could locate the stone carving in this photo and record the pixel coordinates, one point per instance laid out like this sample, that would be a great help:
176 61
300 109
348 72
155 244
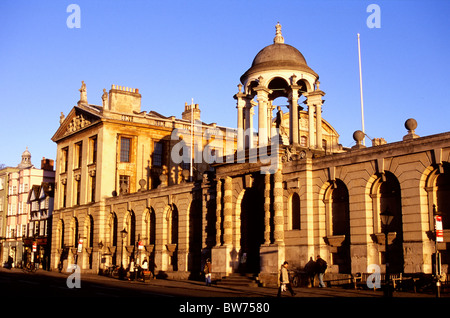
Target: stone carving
78 122
83 94
105 99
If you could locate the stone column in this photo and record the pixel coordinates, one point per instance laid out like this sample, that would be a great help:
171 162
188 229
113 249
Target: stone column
311 139
218 212
267 209
293 115
263 98
240 118
228 212
240 128
319 126
278 208
248 135
314 100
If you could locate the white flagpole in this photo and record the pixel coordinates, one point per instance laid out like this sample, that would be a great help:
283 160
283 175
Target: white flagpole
191 170
361 91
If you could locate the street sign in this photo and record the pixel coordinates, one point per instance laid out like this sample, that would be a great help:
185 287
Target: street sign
140 245
34 247
439 229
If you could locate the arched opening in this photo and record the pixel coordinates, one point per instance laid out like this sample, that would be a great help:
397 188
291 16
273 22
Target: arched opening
391 199
74 232
340 225
113 226
151 226
130 226
195 238
279 87
443 195
60 236
173 237
252 227
90 242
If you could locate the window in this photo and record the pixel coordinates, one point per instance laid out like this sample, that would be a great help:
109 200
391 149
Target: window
79 154
93 188
157 154
125 147
78 191
93 149
64 186
65 159
295 212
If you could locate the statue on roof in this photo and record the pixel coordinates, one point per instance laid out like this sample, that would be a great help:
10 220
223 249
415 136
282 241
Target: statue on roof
83 94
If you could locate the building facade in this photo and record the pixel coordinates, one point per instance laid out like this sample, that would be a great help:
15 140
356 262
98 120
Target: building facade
279 187
119 168
20 181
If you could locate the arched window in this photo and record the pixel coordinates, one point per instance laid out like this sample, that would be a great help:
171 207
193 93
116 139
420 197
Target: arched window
443 196
295 211
151 226
113 229
130 226
340 209
61 234
74 232
386 196
90 231
338 225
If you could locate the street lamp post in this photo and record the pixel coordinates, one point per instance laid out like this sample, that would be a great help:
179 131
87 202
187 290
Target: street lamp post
437 263
121 269
386 219
124 235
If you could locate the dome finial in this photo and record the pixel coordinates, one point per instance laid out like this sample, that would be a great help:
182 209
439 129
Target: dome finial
278 37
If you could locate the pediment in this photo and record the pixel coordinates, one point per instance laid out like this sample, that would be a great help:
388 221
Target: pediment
78 119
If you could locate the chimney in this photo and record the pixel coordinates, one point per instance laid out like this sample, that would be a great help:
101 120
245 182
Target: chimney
47 164
186 115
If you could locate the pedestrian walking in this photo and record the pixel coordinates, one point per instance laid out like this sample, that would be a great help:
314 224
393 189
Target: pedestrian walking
310 269
207 270
285 282
144 268
131 270
321 266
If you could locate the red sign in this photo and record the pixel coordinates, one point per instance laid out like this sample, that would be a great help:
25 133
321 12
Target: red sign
80 245
439 229
140 245
34 247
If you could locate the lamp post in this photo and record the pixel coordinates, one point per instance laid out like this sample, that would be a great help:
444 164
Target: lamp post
124 235
437 271
100 246
386 219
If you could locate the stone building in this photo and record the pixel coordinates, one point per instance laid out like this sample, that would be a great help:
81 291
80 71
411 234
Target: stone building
288 192
122 170
17 184
322 199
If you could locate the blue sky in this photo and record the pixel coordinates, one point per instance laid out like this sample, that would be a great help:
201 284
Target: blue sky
177 50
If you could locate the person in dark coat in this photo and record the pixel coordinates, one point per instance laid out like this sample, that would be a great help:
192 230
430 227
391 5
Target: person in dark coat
310 269
321 266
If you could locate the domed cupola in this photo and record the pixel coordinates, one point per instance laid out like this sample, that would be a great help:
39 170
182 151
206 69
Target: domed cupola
278 56
278 70
26 160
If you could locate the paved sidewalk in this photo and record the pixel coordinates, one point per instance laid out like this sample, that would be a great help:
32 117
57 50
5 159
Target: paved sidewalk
188 288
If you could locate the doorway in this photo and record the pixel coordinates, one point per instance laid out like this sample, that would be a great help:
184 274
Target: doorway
252 229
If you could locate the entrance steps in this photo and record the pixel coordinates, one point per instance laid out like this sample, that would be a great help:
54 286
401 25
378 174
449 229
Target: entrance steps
238 279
